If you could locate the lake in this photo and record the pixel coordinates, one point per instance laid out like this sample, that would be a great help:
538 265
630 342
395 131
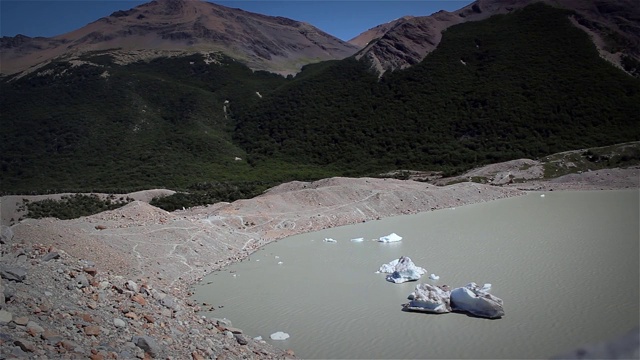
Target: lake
566 265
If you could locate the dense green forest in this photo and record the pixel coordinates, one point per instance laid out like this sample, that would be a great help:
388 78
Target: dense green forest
525 84
520 85
114 128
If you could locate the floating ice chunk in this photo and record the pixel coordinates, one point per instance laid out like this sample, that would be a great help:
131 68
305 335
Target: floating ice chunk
390 267
357 240
277 257
486 287
434 277
329 240
542 195
279 336
430 299
472 299
257 259
257 338
280 263
393 237
402 270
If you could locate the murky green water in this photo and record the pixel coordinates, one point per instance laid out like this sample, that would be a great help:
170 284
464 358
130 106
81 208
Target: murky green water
566 266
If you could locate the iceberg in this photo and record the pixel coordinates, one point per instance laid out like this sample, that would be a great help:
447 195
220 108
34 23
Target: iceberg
329 240
434 277
357 240
390 267
279 336
430 299
402 270
393 237
477 301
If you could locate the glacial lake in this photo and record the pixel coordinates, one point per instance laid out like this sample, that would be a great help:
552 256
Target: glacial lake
566 266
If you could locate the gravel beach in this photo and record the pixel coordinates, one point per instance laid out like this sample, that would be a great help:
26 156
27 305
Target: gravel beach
117 284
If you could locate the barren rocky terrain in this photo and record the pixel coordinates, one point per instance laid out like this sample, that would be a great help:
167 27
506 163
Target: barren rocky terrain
116 284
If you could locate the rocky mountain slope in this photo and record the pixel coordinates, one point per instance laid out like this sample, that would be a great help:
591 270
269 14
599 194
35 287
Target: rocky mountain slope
169 27
614 27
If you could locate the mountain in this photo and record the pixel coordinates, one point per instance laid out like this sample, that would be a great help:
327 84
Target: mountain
523 83
364 38
167 27
613 25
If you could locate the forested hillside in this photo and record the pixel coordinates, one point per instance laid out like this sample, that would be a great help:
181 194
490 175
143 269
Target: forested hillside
520 85
525 84
102 126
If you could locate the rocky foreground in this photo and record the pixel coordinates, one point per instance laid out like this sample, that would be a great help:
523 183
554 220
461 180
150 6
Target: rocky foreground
116 284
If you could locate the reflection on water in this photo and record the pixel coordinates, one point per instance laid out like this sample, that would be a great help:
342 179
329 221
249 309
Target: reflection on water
566 266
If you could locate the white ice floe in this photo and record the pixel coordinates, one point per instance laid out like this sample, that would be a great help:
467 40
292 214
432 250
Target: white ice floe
402 270
357 240
434 277
280 263
542 195
279 336
477 301
393 237
329 240
429 298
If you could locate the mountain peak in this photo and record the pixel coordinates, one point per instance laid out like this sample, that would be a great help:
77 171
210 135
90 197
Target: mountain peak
612 24
262 42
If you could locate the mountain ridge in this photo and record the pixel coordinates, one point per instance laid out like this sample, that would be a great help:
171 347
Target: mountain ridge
263 42
614 27
515 85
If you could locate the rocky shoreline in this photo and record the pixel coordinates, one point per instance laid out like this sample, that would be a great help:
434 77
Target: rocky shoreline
117 284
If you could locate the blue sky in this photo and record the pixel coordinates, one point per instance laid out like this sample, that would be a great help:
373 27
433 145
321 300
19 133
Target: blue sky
343 19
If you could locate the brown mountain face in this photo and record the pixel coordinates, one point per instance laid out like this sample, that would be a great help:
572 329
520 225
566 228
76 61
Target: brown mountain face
614 26
363 39
165 27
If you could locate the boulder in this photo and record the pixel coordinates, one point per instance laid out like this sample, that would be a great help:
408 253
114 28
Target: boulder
50 256
477 301
6 234
148 344
430 299
402 270
14 273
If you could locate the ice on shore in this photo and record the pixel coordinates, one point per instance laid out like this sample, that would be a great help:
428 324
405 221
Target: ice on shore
279 336
402 270
329 240
393 237
434 277
357 240
477 301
